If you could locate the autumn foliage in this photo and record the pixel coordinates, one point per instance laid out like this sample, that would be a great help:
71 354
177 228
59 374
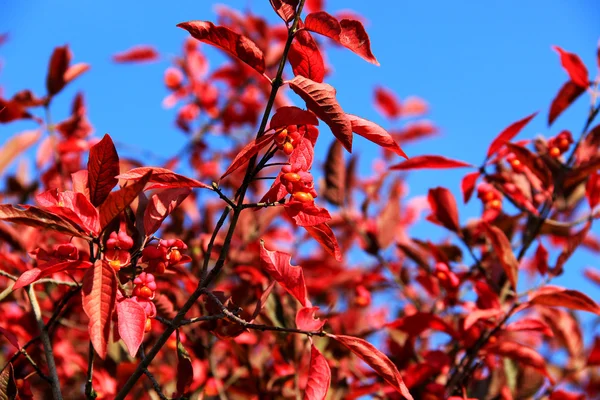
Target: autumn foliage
256 271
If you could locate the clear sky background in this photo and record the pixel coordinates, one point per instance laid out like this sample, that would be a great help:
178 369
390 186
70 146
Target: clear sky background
481 65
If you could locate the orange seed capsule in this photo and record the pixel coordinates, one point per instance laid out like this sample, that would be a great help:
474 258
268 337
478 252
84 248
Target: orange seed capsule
554 152
148 326
291 177
303 197
288 148
495 204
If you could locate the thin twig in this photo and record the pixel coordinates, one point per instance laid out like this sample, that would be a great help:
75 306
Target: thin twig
90 393
56 392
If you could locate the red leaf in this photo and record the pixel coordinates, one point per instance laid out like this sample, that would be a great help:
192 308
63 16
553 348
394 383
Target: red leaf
249 151
16 145
35 274
592 190
307 214
376 360
59 72
574 67
99 294
387 103
74 207
132 321
306 320
335 175
594 357
11 337
347 32
541 259
508 134
103 168
164 177
419 322
480 314
375 133
286 9
161 205
80 183
554 296
520 353
443 208
567 94
185 370
323 234
291 115
36 217
530 325
117 201
319 376
429 162
320 99
291 278
573 241
140 53
504 252
237 45
467 185
534 163
305 57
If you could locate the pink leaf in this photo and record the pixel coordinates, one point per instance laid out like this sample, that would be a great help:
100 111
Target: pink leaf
567 94
387 103
291 115
376 360
139 53
249 151
306 320
320 99
554 296
429 162
161 205
504 252
237 45
305 57
467 185
35 274
132 321
164 177
99 295
307 214
117 201
443 208
574 67
290 277
349 33
508 134
103 167
375 133
319 376
16 145
323 234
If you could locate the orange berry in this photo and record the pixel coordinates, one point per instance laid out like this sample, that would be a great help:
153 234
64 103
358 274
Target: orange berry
303 197
115 264
488 196
495 204
174 256
288 148
441 276
148 326
145 291
290 177
563 144
281 136
554 152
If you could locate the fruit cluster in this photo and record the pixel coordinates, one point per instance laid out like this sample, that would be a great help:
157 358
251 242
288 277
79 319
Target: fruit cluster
300 184
117 250
288 138
490 197
559 144
144 291
164 254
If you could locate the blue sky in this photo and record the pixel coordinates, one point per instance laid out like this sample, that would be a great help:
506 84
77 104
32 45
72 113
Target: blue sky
481 65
